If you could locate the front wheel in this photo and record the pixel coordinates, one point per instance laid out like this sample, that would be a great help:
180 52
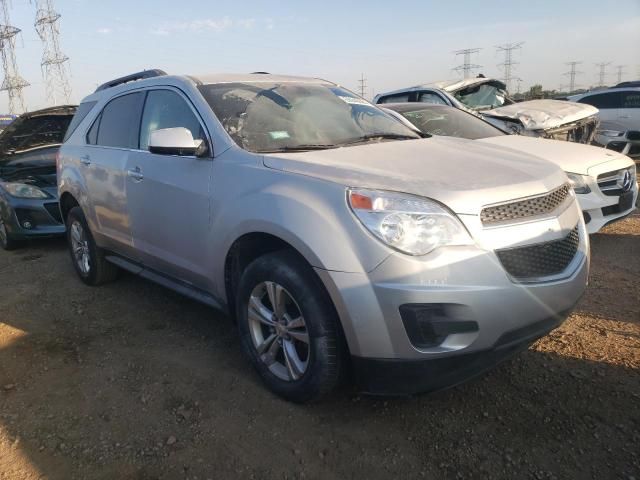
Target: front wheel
289 328
88 259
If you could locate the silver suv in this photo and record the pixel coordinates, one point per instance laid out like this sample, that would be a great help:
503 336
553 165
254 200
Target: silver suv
344 245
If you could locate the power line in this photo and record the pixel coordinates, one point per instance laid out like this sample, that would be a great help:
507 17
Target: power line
54 62
572 73
362 85
12 83
508 64
603 72
467 67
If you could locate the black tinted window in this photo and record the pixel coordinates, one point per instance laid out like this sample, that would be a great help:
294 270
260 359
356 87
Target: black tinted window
167 109
92 134
603 100
82 112
120 122
631 99
401 98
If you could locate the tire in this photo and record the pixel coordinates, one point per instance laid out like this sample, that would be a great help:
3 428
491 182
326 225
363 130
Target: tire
296 370
7 243
88 259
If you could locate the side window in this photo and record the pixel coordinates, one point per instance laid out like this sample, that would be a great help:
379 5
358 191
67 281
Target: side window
92 134
82 111
603 100
631 99
167 109
401 98
430 97
120 120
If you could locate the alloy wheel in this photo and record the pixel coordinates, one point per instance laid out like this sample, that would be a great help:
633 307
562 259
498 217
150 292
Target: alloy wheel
278 331
80 247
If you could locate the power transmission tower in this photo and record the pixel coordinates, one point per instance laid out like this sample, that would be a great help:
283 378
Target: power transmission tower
519 80
362 85
620 69
508 63
603 72
53 60
467 66
13 83
572 73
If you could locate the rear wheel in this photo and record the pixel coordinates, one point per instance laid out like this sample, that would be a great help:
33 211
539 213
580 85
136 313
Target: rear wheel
6 242
88 259
289 327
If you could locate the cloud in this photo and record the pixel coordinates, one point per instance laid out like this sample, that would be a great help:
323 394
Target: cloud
104 31
216 25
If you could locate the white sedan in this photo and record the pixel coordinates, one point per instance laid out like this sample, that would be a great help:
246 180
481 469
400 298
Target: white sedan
604 181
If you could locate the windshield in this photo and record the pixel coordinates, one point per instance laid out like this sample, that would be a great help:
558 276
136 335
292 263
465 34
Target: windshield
272 117
450 122
483 97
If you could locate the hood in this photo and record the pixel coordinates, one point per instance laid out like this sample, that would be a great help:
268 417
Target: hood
571 157
543 114
462 174
44 178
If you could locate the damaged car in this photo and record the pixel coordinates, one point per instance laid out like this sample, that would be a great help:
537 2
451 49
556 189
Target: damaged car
604 181
554 119
28 187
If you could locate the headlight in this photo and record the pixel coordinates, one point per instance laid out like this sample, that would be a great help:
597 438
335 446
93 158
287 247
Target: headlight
22 190
610 133
578 183
410 224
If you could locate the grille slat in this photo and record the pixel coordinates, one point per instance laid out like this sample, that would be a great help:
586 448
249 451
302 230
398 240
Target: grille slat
611 183
541 260
529 207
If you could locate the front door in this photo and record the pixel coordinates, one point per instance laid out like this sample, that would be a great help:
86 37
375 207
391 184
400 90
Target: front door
168 196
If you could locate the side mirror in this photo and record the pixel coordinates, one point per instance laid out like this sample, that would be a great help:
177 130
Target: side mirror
176 141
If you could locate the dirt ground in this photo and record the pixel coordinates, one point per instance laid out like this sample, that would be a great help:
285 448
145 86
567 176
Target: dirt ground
131 381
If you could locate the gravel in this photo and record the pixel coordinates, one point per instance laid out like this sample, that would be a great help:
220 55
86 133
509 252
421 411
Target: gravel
131 381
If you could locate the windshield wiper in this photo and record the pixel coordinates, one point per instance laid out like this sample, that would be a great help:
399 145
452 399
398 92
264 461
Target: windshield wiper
381 136
299 148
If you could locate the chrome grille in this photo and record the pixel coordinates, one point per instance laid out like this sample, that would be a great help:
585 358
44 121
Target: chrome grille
542 260
615 183
529 207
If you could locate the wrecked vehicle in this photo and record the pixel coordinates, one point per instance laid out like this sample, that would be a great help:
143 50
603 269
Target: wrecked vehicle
555 119
28 188
340 240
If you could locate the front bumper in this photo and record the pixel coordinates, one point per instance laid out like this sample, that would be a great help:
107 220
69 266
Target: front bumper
471 287
31 218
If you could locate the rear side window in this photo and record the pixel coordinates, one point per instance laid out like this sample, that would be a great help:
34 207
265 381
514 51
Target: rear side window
404 97
429 97
82 111
603 101
120 121
631 99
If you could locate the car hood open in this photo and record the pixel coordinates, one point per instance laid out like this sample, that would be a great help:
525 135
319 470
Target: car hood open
543 114
462 174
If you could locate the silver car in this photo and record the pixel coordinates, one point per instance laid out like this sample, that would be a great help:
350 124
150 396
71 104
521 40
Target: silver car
344 244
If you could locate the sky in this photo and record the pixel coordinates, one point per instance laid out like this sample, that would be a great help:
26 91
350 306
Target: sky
393 44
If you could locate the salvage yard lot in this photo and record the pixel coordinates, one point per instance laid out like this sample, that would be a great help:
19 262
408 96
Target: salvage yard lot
132 381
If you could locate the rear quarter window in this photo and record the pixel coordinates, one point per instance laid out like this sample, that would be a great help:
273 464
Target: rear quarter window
82 111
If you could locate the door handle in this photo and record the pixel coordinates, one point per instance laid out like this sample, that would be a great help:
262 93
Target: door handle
85 160
136 174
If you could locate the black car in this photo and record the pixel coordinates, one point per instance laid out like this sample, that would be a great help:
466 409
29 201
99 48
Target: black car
28 187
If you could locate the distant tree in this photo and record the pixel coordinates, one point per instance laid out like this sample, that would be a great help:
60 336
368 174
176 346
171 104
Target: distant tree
535 91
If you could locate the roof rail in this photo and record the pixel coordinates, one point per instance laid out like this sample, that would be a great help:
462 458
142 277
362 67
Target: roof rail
132 78
260 73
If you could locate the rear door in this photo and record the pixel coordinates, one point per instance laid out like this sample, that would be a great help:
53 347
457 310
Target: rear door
110 140
168 196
